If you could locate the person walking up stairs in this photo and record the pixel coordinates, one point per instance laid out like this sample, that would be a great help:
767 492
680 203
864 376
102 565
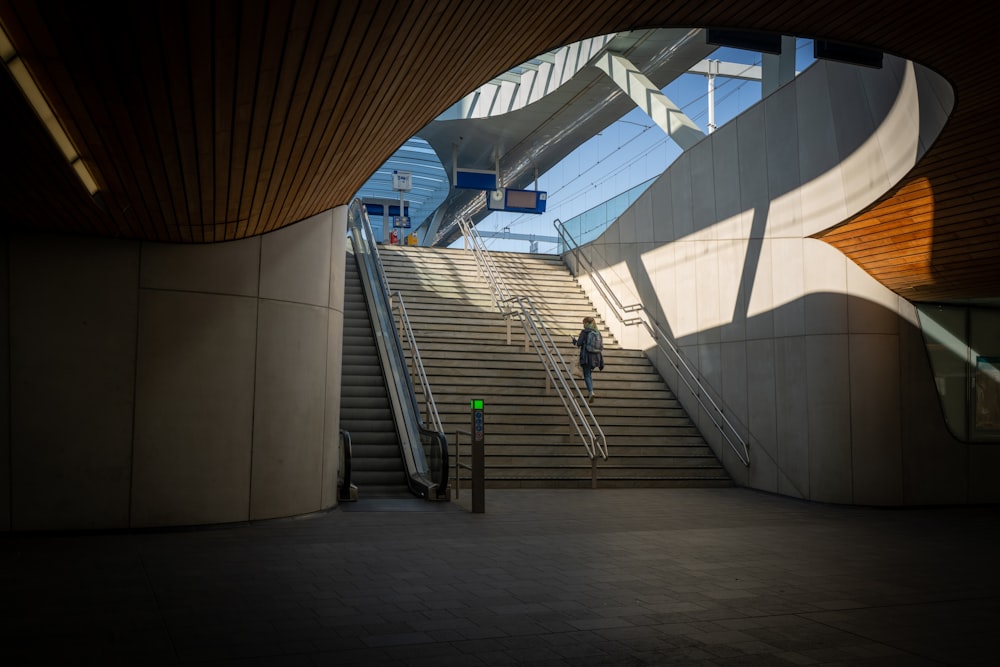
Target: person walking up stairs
591 346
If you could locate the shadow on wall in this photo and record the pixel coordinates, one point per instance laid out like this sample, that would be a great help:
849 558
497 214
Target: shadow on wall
833 416
823 366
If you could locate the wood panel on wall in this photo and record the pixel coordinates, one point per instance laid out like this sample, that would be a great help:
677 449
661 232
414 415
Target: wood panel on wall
216 121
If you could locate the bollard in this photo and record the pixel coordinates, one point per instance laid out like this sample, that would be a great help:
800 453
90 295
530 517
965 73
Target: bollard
478 458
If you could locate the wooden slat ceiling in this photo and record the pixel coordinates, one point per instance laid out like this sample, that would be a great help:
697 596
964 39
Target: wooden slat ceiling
209 121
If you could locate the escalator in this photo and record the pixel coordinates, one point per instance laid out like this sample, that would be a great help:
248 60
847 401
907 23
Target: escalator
365 412
394 454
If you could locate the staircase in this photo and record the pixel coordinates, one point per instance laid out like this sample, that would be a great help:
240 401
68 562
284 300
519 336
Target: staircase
529 440
377 464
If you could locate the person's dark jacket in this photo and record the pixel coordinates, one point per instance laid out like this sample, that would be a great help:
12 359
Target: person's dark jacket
588 359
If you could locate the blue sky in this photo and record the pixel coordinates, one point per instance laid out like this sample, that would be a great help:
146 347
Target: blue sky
628 152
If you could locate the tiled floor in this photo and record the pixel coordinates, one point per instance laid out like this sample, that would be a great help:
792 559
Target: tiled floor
587 577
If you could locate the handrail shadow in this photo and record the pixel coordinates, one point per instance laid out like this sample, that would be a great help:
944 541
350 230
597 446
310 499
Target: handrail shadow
624 314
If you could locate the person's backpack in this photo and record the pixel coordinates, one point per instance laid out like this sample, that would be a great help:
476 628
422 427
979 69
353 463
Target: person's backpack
595 344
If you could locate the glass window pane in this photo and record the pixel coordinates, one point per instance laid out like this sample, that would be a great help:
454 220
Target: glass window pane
945 335
984 339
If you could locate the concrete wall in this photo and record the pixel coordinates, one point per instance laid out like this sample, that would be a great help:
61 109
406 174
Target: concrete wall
4 387
819 365
155 384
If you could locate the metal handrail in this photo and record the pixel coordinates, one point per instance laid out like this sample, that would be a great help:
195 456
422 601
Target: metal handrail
406 332
458 460
558 373
488 269
663 342
346 491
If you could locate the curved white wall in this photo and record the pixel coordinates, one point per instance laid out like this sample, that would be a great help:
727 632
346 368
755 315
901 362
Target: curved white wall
820 365
155 384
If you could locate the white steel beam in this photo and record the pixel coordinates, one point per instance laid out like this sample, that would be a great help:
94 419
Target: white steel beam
778 69
728 70
648 97
514 236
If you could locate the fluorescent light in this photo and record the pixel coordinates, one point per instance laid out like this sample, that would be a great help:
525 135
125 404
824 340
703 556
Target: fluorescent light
6 48
19 71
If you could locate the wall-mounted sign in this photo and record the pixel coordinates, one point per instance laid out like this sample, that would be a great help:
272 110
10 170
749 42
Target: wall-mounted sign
475 179
379 208
402 181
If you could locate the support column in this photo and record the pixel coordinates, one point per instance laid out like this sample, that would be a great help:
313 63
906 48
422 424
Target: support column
777 70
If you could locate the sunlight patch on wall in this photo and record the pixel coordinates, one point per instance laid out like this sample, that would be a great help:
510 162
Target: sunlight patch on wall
711 259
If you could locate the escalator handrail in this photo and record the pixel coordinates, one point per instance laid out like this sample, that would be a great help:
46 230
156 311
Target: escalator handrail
344 492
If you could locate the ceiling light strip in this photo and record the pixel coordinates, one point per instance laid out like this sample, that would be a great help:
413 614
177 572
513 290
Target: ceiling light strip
33 94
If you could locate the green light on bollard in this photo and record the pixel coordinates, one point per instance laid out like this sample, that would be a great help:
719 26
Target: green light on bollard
477 404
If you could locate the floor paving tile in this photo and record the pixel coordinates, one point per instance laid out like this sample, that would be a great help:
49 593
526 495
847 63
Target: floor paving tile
607 577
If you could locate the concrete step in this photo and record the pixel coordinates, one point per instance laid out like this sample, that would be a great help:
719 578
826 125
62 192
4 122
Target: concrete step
463 343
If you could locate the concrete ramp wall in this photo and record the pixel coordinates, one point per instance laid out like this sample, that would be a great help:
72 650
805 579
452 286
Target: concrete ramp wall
822 367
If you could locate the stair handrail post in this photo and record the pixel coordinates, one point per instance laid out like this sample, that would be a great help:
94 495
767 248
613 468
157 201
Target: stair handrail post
663 342
458 459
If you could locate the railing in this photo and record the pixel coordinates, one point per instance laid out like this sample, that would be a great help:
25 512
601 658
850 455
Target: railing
663 342
558 373
458 460
600 217
425 450
346 491
416 363
488 269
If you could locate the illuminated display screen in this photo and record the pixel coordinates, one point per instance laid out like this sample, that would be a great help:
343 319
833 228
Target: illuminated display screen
522 199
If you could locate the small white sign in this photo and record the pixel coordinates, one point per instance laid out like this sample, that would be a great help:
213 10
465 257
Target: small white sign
402 181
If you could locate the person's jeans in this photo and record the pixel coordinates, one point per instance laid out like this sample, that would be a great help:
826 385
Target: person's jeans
588 379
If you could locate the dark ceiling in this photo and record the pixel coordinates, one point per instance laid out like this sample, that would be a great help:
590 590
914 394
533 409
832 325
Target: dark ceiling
209 121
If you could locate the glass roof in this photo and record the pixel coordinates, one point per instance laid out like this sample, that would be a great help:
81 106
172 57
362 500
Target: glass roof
430 182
